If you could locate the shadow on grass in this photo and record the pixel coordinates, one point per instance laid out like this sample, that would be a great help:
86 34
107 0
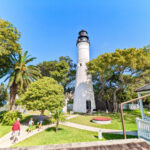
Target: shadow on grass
96 136
116 136
26 119
53 129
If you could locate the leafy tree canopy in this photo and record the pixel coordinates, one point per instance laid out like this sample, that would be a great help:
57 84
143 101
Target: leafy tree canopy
44 94
63 70
117 70
9 38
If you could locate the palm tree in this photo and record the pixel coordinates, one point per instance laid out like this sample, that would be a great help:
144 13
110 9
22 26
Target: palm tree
20 75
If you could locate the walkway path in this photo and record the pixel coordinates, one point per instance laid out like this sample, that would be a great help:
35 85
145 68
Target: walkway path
6 142
89 128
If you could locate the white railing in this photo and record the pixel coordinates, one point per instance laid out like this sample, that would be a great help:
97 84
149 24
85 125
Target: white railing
143 128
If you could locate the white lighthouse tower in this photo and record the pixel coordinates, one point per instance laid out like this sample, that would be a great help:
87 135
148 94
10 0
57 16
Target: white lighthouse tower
84 95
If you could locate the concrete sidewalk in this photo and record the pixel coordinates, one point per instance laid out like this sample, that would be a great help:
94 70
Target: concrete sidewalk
89 128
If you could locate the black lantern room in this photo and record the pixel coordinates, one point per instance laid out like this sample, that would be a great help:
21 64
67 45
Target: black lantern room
83 37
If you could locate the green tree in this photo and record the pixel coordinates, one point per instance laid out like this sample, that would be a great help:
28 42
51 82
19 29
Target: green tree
55 69
56 117
60 72
46 67
9 38
101 72
44 94
20 75
3 94
69 85
63 71
113 69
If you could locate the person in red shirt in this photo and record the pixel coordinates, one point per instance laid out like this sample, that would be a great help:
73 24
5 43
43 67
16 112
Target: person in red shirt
16 130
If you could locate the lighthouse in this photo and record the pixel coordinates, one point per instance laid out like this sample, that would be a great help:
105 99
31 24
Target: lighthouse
84 95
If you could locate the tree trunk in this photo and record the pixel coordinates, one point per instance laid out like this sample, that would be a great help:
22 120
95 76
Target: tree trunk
108 105
101 104
115 104
13 93
42 112
57 124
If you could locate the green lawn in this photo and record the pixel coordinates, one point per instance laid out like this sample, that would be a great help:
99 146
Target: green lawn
4 130
130 120
64 135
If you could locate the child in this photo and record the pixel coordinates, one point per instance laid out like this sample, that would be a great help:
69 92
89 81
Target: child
31 123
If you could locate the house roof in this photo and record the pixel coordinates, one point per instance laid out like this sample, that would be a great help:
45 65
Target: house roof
143 88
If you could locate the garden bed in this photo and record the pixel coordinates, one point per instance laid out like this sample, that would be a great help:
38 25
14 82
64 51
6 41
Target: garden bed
101 120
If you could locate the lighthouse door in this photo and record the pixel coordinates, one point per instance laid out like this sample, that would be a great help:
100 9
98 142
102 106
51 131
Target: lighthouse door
88 105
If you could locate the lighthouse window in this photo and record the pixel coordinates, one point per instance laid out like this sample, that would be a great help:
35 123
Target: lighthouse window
83 33
83 38
80 64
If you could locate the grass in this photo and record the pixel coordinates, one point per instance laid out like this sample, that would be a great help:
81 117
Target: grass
130 120
65 135
4 130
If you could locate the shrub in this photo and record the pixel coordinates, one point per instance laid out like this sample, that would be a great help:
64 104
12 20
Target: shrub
1 115
8 118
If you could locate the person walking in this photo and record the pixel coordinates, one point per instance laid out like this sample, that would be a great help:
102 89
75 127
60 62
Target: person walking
16 130
41 119
31 123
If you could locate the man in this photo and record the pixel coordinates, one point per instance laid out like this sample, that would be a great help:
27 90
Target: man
16 130
41 121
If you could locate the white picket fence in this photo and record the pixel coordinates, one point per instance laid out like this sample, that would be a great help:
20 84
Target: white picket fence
143 126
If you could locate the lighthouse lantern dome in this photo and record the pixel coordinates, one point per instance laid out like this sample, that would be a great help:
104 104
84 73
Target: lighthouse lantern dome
83 37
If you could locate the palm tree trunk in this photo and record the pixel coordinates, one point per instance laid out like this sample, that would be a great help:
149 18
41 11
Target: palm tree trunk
13 93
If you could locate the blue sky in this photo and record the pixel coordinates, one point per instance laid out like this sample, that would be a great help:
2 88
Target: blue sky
50 28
